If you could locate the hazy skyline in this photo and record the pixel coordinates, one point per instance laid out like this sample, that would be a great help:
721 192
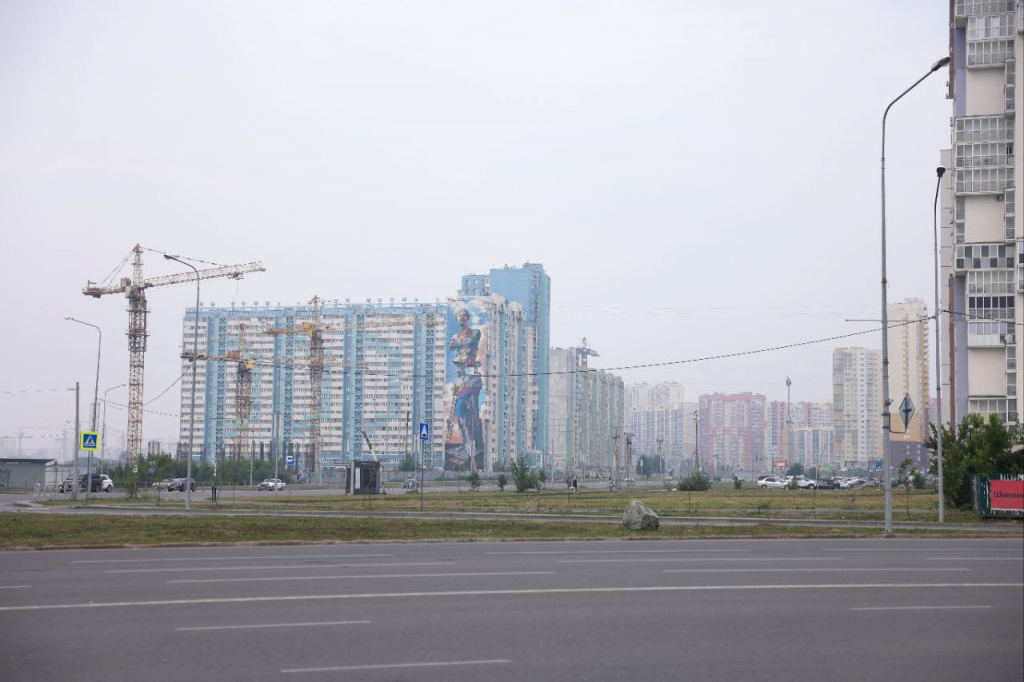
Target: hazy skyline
697 179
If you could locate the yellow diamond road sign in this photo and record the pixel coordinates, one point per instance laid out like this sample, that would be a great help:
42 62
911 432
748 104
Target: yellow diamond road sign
90 440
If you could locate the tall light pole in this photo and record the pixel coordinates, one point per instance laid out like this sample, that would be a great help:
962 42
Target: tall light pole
192 405
886 420
103 433
938 343
95 397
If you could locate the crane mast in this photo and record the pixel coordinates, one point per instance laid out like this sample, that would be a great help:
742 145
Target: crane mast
582 353
243 392
134 289
315 332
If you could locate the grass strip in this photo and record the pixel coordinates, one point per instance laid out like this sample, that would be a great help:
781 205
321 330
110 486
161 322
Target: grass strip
37 531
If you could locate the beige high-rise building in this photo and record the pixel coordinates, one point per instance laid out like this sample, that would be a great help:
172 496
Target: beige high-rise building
982 279
908 367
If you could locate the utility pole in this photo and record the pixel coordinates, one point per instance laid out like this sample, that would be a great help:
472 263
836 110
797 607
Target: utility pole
74 449
789 425
696 441
615 437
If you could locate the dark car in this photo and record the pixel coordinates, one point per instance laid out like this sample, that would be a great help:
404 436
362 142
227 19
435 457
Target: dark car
828 484
178 485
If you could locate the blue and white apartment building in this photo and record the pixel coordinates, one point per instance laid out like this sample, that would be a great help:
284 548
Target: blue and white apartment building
384 374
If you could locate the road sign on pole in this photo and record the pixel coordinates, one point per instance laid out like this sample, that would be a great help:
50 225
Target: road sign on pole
424 431
906 410
90 440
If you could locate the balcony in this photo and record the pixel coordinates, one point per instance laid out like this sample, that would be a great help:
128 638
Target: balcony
972 8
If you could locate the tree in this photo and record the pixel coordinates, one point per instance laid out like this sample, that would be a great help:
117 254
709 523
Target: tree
522 479
474 480
407 463
795 470
978 447
502 481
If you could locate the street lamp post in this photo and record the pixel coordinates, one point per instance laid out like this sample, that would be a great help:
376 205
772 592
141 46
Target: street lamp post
938 343
192 401
886 417
103 433
95 399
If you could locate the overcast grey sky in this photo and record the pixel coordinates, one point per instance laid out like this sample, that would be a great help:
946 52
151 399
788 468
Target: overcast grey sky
698 178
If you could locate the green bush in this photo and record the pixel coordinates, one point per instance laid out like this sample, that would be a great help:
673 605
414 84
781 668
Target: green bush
736 482
696 481
474 480
502 481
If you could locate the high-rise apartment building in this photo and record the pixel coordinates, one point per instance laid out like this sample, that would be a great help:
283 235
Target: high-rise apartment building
586 417
856 395
732 431
662 424
780 439
531 288
909 374
983 241
387 367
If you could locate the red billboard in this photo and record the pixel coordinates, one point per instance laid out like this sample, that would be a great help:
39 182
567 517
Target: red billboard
1006 495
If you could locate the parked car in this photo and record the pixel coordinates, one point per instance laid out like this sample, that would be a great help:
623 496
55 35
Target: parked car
803 482
163 484
771 482
828 483
96 482
179 485
271 484
409 484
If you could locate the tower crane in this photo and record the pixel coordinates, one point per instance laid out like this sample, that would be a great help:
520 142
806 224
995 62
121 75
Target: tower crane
134 289
583 351
315 331
243 390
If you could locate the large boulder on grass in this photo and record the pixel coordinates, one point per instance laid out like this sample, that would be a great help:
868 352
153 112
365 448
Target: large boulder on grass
639 516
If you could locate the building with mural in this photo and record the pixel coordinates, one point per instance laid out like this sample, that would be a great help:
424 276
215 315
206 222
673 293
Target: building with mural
530 287
486 368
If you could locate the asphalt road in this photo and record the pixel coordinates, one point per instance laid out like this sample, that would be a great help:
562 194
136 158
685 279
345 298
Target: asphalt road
916 609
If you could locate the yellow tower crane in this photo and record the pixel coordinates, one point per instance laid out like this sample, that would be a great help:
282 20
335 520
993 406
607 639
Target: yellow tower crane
134 289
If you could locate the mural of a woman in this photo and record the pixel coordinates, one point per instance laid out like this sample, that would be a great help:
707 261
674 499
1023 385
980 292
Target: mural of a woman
465 347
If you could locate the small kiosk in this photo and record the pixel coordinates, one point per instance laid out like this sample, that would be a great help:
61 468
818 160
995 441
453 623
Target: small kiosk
364 478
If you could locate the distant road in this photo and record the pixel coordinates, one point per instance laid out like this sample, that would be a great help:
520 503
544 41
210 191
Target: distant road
615 611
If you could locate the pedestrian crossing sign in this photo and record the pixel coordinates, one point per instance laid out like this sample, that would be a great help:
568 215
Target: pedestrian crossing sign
90 440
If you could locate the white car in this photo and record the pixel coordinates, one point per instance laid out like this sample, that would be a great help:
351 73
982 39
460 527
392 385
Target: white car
771 482
271 484
802 482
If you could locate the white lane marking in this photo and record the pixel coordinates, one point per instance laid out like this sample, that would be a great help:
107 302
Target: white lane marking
634 561
230 558
14 587
624 551
385 666
272 625
805 570
277 568
927 549
501 593
974 558
392 575
913 608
